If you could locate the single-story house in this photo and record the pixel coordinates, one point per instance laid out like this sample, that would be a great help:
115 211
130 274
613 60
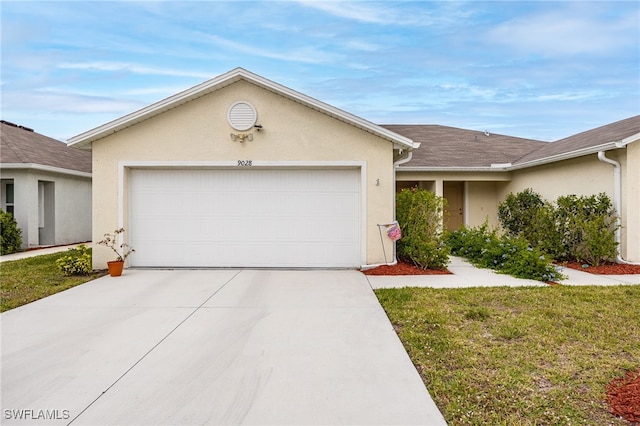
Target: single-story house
46 186
241 171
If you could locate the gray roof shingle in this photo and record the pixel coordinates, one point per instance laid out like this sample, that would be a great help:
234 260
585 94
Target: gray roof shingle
451 147
454 148
22 145
614 132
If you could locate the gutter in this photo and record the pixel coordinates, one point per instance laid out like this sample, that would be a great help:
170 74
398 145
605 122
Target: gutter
617 200
44 168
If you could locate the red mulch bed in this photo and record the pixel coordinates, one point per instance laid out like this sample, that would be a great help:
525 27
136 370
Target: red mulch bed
623 397
606 269
403 268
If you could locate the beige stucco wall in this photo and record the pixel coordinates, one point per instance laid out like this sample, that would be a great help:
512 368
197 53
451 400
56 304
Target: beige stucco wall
581 176
481 203
198 132
631 202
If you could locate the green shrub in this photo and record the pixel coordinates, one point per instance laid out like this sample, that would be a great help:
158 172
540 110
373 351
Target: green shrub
10 234
517 212
587 225
507 254
420 215
579 228
76 262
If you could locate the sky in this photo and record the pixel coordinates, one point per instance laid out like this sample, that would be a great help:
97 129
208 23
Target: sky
534 69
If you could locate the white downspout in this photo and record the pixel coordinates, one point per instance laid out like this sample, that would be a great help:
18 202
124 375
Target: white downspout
617 201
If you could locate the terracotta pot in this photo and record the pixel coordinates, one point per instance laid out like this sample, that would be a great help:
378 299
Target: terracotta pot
115 267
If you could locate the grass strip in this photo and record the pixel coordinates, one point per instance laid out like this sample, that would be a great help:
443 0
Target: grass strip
519 356
26 280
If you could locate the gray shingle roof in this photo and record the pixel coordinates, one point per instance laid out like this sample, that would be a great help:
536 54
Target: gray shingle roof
451 147
22 145
614 132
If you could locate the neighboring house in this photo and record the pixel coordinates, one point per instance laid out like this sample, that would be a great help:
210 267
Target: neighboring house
46 186
475 171
241 171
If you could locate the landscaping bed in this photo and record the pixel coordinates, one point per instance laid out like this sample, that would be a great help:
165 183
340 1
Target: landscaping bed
404 268
605 269
623 397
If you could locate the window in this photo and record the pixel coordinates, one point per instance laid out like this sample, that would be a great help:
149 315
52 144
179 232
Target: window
9 205
8 196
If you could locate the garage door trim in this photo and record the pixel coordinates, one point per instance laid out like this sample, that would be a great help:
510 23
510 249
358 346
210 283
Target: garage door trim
123 167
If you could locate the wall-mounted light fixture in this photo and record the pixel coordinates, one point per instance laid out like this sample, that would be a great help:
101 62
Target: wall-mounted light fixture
241 137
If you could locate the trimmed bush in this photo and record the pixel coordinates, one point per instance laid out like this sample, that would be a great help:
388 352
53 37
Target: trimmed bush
506 254
517 212
578 228
76 262
420 215
10 234
587 225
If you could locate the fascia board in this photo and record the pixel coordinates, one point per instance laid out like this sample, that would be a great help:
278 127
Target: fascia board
630 139
84 139
449 169
566 156
44 168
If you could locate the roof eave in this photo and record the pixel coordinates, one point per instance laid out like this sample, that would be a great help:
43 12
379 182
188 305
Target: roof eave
568 155
451 169
84 140
45 168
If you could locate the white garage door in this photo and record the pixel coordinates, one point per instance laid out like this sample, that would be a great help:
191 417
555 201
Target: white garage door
245 217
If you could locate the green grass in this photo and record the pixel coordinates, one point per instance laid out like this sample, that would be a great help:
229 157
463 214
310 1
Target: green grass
519 356
26 280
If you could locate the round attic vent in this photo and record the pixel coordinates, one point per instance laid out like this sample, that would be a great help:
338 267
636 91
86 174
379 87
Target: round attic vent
242 115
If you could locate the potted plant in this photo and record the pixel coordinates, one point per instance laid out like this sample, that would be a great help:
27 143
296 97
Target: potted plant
122 251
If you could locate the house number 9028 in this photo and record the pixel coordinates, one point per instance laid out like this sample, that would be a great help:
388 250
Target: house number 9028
245 163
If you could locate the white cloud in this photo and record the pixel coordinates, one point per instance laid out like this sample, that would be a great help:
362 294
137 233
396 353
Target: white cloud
305 54
132 68
68 102
419 13
361 45
350 10
565 32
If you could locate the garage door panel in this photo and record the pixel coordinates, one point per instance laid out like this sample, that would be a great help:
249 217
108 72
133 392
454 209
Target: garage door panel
248 217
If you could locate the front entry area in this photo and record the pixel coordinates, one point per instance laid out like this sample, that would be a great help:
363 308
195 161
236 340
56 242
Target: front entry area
245 217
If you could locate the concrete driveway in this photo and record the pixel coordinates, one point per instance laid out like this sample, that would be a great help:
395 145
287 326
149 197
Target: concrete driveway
190 347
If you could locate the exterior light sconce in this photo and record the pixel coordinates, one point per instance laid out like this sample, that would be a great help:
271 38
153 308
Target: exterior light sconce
241 137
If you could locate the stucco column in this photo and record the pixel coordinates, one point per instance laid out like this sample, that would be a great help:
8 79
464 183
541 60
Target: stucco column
29 191
439 187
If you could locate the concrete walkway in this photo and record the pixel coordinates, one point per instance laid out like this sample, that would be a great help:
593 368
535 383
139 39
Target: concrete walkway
466 275
38 252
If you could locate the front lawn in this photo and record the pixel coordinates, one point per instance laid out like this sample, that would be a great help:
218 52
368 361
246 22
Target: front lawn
30 279
519 356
